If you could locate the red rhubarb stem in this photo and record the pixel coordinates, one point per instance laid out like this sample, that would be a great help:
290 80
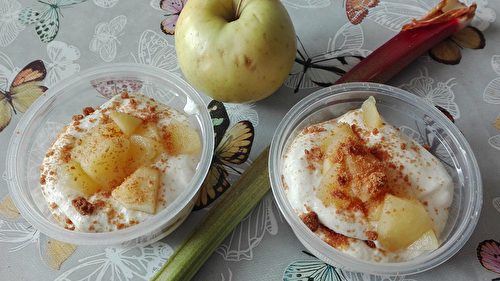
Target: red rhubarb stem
397 53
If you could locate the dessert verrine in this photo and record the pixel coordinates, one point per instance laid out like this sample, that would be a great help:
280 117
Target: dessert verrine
367 189
118 165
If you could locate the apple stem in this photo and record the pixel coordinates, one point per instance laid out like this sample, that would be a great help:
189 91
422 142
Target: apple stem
237 14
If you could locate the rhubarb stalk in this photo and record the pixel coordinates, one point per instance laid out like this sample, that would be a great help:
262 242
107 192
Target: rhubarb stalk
416 38
222 218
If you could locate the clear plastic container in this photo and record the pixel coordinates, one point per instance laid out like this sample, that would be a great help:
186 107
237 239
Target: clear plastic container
399 108
42 122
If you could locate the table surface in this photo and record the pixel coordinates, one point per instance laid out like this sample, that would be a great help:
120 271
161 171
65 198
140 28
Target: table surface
262 247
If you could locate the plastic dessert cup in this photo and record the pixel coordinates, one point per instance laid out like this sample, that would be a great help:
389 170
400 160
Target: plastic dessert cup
418 119
42 122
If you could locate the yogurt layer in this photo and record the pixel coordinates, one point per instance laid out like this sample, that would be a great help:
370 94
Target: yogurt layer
109 215
412 172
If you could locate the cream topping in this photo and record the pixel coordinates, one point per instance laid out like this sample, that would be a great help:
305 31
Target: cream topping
416 171
175 171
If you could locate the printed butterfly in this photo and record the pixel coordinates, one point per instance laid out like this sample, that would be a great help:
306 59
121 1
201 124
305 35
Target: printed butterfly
488 253
105 38
356 10
323 69
174 8
231 147
123 263
446 113
45 16
448 50
312 270
426 136
110 88
16 230
23 92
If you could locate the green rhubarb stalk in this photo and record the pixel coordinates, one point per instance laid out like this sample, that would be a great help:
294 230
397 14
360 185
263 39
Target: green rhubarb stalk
416 38
218 223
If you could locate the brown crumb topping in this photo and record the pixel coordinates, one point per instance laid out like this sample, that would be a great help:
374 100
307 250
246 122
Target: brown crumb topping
87 110
371 235
77 117
43 179
83 206
133 103
314 157
311 220
152 109
370 244
333 238
313 129
362 176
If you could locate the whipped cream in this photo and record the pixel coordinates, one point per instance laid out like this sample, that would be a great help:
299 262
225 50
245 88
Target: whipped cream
413 169
175 171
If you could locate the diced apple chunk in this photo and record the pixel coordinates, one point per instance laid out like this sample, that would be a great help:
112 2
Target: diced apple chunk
402 222
374 212
180 139
71 175
363 174
341 134
142 150
109 130
427 242
139 191
148 130
332 190
126 122
371 116
102 154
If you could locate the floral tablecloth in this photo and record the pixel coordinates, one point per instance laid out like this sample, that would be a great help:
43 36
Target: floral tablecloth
262 247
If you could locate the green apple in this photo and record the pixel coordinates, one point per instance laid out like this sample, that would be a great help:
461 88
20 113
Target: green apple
235 56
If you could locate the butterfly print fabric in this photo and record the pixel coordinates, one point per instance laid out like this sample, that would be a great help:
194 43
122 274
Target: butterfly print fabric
23 91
